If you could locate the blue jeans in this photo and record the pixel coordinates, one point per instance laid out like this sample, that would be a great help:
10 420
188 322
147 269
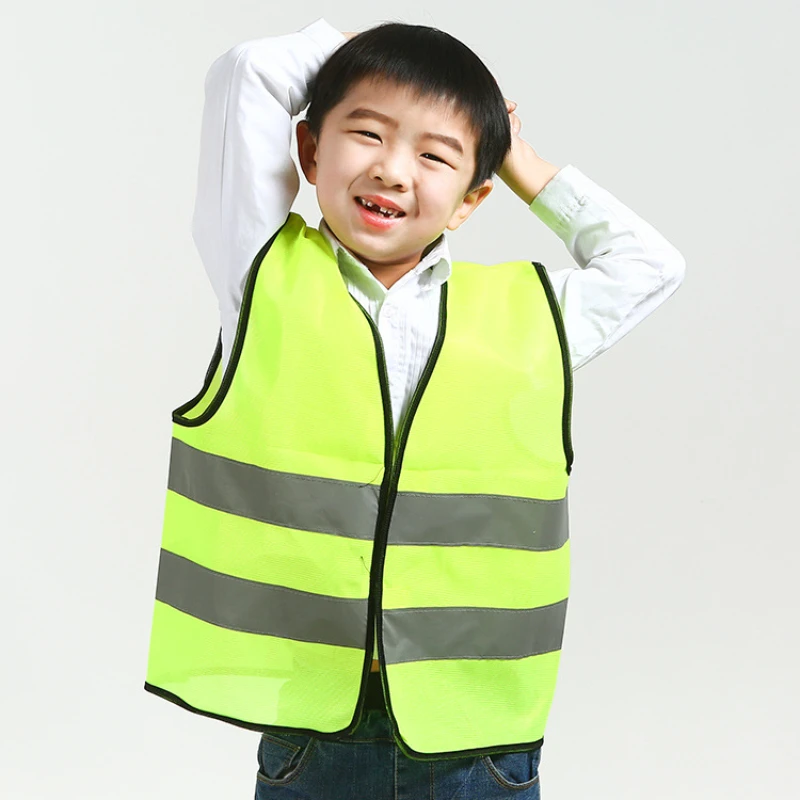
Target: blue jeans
368 765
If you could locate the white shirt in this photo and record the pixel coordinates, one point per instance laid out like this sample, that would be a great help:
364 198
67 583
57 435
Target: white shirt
247 182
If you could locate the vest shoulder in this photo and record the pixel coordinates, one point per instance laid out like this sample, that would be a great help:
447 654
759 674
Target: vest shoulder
501 269
522 262
296 235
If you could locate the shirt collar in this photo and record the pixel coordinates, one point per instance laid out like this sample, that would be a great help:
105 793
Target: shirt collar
433 269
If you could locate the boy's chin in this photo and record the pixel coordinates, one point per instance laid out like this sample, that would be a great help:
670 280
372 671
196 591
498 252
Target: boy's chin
367 250
371 252
366 255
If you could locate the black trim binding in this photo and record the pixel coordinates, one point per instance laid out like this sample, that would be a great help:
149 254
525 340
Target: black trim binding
212 368
236 352
378 552
565 360
382 531
164 694
386 504
254 726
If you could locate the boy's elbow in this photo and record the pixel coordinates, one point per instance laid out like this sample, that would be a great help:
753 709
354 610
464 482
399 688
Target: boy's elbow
673 272
226 65
678 268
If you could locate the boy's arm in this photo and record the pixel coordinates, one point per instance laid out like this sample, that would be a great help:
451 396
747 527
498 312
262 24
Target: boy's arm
627 268
247 180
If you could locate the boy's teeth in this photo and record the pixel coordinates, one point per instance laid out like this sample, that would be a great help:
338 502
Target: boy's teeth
385 211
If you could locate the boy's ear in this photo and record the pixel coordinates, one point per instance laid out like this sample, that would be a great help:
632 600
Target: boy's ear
470 202
307 151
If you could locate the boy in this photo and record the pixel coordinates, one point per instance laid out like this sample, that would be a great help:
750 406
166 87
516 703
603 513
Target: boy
365 548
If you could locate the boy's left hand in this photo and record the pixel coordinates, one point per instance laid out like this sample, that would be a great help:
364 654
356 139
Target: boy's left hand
525 173
515 121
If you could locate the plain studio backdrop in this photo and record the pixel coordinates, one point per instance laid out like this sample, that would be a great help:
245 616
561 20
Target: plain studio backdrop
681 661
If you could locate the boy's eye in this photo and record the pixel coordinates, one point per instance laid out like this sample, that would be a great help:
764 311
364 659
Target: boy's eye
429 156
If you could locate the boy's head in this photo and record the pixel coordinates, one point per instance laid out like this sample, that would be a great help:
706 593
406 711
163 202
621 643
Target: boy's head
410 116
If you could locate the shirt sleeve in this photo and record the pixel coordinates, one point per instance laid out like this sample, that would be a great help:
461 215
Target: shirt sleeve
626 268
247 180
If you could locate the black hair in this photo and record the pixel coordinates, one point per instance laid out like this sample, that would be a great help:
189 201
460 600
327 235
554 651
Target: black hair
433 64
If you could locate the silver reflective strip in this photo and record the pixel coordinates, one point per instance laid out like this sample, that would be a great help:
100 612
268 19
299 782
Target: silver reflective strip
498 521
345 508
323 505
253 607
415 634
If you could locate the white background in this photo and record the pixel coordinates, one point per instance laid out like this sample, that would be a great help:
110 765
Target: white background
681 660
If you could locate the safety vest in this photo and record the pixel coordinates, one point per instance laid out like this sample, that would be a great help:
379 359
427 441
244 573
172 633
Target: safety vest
295 516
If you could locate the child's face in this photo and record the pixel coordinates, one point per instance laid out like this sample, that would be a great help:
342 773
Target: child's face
375 143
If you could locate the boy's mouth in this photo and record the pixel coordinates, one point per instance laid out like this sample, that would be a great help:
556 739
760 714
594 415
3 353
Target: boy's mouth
379 211
371 215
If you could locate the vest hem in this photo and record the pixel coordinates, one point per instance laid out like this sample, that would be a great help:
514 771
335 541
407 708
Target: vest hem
336 736
165 694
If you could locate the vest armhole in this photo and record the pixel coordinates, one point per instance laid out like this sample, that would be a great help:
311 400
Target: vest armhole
195 406
207 402
566 362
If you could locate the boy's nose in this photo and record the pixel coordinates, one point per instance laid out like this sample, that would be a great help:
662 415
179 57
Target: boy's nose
392 172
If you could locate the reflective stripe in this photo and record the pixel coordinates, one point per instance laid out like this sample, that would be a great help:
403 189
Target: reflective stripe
410 634
254 607
473 519
322 505
415 634
344 508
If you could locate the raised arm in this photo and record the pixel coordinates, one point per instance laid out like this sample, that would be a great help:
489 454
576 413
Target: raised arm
626 268
247 180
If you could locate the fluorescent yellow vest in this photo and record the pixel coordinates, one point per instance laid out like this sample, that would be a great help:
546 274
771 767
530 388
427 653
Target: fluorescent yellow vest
294 515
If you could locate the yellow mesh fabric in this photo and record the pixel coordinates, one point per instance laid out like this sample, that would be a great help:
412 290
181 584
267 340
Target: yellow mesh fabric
487 577
253 678
311 562
477 703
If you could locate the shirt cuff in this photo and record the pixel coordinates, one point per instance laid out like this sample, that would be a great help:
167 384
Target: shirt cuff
562 196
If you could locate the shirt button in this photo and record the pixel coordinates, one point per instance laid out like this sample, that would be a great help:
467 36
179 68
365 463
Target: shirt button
388 310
